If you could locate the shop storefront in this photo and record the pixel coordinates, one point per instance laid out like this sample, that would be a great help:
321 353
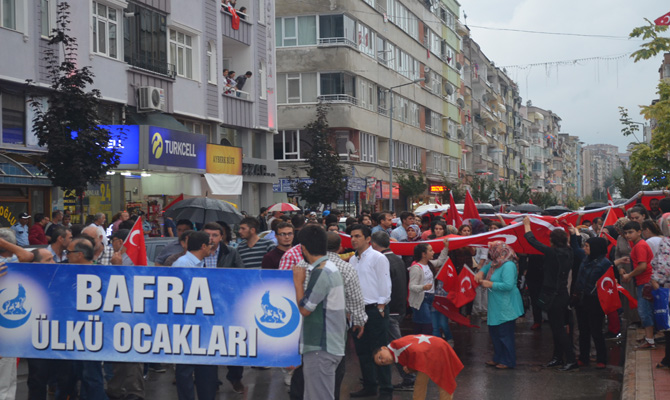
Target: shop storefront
23 188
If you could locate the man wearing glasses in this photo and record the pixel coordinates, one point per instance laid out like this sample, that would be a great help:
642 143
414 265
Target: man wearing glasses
284 234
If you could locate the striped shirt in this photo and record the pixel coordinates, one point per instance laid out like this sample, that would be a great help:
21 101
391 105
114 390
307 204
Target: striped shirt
325 329
253 256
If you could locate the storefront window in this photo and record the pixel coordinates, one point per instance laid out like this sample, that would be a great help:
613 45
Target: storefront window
13 119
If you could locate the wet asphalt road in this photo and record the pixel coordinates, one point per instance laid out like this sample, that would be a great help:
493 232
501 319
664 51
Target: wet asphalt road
528 381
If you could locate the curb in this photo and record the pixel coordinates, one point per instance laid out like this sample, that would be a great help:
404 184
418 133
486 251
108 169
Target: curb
629 376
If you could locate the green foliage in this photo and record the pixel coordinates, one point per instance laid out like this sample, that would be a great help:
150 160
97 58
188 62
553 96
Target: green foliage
511 192
457 189
651 159
482 189
655 45
573 203
411 184
629 182
323 164
72 162
544 199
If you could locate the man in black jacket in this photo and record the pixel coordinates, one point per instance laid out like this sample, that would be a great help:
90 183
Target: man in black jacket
380 241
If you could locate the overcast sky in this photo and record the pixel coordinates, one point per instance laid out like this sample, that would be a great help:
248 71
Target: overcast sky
585 95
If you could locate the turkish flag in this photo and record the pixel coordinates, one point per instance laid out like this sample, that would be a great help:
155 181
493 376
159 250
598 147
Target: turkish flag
610 201
466 292
632 302
530 201
453 216
136 249
608 293
236 18
470 210
610 239
431 355
663 19
611 218
175 201
449 310
447 275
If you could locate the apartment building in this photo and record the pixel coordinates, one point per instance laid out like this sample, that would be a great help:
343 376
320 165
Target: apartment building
600 161
158 65
365 59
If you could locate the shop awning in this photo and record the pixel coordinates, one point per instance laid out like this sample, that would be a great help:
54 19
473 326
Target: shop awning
224 184
155 119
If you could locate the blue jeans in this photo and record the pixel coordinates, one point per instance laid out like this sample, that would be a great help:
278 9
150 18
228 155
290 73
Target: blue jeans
92 384
440 321
645 309
206 381
504 350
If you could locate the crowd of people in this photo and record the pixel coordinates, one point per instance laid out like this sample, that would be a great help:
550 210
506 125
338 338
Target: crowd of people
371 290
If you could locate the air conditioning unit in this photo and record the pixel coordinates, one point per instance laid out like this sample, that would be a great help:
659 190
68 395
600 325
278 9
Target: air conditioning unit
151 99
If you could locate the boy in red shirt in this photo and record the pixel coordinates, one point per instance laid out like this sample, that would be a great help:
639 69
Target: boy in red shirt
640 257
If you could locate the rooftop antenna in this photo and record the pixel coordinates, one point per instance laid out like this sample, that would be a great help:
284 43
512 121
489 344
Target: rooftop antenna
465 18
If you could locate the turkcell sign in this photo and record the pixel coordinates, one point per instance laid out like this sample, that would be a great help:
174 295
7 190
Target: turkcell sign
177 149
150 314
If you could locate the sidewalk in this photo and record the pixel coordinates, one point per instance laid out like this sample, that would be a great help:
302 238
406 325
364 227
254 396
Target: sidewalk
642 380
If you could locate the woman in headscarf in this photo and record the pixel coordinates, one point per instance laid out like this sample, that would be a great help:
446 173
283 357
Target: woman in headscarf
660 276
590 315
499 276
554 297
413 233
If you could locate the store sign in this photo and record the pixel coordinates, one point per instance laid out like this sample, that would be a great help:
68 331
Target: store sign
125 139
256 170
383 190
356 184
286 185
177 149
438 188
224 159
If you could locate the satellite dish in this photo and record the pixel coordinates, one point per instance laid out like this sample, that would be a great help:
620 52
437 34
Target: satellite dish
448 88
458 66
485 98
460 103
351 148
426 69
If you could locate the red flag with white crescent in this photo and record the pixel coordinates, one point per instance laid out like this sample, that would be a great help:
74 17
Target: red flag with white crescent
236 18
610 201
466 292
449 310
453 216
447 275
608 293
136 249
663 19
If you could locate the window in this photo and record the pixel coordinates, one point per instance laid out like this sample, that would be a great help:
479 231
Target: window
406 156
145 40
367 94
8 14
181 53
296 88
211 62
337 29
197 127
337 83
105 28
368 147
261 11
13 118
48 17
264 80
295 31
291 145
366 40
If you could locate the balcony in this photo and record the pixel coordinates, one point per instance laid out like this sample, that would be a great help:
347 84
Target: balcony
338 98
242 35
238 111
337 41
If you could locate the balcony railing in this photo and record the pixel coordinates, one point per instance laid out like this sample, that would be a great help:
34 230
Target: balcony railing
337 41
338 98
238 93
243 34
149 64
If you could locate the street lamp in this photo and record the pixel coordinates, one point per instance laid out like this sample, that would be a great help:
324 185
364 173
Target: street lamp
390 90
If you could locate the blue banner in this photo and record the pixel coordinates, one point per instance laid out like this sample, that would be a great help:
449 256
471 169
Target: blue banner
177 149
126 139
150 314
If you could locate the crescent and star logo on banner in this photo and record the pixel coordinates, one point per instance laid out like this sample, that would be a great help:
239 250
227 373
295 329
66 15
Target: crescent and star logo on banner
275 321
13 313
157 145
602 285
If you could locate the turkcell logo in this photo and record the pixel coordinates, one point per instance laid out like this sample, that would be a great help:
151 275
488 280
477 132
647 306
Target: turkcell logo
13 313
157 145
279 317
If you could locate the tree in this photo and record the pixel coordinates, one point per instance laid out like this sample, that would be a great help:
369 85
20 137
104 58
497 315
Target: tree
411 184
543 199
457 190
651 159
509 192
323 164
628 182
482 189
77 153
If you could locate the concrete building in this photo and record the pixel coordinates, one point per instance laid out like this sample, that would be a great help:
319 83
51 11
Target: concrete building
158 67
600 161
350 54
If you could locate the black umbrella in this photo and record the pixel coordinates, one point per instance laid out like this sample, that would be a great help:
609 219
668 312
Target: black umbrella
593 206
485 209
527 208
203 210
555 210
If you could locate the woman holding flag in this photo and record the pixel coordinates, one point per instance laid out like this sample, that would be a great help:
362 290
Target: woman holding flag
421 289
504 302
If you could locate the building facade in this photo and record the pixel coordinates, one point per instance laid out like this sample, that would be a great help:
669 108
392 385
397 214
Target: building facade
158 65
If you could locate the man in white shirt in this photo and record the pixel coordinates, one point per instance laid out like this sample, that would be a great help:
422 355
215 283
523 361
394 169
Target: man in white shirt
98 222
375 280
